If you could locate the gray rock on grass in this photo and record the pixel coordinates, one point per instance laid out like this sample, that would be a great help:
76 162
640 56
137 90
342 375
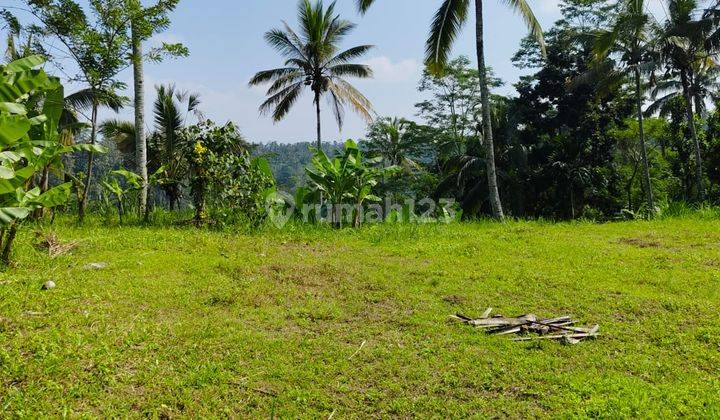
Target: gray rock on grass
48 285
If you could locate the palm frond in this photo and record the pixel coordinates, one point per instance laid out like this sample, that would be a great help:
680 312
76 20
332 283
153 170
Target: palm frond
360 71
283 43
350 54
660 104
85 98
522 8
364 5
351 96
280 103
266 76
122 133
445 28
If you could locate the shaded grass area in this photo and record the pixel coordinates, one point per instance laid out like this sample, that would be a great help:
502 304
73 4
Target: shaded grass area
195 323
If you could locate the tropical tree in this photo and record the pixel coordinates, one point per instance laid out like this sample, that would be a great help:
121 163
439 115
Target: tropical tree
172 110
120 183
346 179
314 60
630 39
388 138
144 23
684 50
99 46
221 168
446 26
29 143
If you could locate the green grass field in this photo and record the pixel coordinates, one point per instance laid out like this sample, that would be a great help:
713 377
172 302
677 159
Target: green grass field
186 323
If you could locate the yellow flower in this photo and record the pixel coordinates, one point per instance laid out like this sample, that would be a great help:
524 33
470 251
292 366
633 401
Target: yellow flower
200 149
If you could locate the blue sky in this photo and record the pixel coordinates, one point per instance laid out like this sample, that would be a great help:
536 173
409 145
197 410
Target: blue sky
226 44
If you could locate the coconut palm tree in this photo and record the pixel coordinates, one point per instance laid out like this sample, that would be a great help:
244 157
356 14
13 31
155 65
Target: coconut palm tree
631 40
705 86
445 28
313 61
683 47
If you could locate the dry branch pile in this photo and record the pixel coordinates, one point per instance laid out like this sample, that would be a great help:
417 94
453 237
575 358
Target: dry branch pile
53 245
561 328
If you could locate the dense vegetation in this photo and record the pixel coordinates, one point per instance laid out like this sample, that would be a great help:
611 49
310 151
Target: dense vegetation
197 274
616 119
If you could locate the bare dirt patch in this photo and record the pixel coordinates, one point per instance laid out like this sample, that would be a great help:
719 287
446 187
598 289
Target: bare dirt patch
646 242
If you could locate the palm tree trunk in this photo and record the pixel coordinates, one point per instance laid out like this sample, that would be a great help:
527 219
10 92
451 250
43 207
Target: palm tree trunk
140 141
319 134
317 116
693 134
630 185
91 158
643 146
494 193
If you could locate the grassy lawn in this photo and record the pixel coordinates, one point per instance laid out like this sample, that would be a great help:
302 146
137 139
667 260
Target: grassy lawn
195 323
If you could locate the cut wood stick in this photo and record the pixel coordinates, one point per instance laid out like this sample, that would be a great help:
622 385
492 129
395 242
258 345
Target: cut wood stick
563 328
487 313
556 337
503 322
572 341
556 320
514 330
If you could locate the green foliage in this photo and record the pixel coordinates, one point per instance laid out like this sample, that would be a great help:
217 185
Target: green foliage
347 178
29 143
226 182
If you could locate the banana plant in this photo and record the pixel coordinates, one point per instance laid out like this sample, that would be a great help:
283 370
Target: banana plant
346 179
133 182
122 183
28 144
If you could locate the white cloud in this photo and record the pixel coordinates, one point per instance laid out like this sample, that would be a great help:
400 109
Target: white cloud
387 71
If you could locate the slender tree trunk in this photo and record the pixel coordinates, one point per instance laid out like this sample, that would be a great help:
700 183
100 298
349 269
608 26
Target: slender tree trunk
91 158
643 146
319 136
317 116
358 213
8 244
630 185
140 140
693 133
494 193
44 186
121 210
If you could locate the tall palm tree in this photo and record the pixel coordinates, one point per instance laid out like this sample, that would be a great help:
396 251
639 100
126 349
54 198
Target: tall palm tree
684 50
704 86
313 61
141 152
445 28
631 39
